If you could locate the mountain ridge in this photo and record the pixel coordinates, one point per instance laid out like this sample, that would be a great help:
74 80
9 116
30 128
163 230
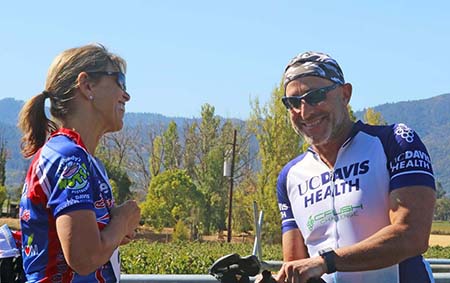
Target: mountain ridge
429 117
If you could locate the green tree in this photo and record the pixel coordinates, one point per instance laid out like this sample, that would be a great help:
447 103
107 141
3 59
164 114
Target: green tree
112 151
191 149
278 143
3 157
373 117
440 192
156 158
180 232
3 196
206 141
351 113
172 147
171 197
442 209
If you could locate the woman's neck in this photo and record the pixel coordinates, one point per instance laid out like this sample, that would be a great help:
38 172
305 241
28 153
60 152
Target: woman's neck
89 134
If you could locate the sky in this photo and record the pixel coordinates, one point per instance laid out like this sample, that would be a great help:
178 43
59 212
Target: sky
183 54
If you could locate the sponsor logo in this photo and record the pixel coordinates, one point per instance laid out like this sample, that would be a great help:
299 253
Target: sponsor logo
405 133
333 215
411 159
283 207
25 215
343 173
30 249
75 175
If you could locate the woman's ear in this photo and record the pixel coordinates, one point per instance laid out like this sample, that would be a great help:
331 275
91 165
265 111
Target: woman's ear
85 85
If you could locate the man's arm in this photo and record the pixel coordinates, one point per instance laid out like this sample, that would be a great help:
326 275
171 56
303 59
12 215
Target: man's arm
294 246
411 214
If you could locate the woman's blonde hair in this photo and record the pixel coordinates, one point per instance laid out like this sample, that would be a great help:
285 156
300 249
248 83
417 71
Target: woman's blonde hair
59 87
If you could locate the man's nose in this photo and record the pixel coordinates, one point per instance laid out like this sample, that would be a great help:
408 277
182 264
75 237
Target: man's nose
304 110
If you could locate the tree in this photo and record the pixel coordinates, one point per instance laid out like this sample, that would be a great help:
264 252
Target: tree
3 157
278 143
3 196
373 117
171 197
442 209
440 192
156 158
113 151
351 113
172 147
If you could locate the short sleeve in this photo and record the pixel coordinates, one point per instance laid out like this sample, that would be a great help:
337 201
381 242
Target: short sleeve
73 189
409 163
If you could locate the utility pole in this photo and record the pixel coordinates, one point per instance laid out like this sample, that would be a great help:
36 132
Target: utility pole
230 205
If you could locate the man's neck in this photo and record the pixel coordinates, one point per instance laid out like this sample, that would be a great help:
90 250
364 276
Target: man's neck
328 151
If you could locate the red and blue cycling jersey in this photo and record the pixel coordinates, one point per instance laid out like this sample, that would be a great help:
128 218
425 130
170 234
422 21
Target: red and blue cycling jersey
61 179
340 206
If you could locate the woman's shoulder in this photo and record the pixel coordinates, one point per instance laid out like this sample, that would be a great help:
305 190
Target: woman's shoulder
63 147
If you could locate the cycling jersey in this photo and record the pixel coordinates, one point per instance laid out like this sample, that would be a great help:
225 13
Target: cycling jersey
343 205
62 177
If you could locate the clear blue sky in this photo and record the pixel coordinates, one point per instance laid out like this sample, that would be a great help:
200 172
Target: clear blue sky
182 54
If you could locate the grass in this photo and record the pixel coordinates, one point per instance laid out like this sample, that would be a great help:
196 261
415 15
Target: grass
440 228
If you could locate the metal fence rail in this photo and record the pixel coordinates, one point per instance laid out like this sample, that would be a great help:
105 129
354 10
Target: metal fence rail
440 267
191 278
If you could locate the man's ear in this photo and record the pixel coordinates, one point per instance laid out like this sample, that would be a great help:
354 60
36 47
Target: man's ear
85 85
347 92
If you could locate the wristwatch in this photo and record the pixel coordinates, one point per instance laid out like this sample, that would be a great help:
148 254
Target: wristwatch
328 255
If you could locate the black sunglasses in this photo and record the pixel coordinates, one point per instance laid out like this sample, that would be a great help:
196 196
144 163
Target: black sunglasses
119 75
312 97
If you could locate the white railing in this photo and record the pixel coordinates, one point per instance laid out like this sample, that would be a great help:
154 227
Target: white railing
440 267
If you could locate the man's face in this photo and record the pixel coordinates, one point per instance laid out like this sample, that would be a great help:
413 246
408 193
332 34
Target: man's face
325 121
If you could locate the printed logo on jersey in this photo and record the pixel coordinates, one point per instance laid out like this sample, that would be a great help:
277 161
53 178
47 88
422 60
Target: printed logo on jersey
74 176
341 181
405 133
25 214
333 215
411 159
283 209
30 249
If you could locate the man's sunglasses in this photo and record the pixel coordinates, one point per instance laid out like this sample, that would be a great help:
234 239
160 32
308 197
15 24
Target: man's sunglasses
312 97
120 78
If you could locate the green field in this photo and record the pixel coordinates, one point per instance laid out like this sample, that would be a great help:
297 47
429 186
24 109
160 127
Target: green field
139 257
440 228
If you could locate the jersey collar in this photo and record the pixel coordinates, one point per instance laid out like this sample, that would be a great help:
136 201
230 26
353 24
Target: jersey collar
74 136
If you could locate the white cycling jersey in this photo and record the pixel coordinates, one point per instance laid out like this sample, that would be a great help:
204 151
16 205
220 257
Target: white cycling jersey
343 205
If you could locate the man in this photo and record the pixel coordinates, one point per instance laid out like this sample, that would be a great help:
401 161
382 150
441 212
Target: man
357 206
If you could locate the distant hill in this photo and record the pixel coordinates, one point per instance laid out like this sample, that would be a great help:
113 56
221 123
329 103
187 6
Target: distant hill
429 117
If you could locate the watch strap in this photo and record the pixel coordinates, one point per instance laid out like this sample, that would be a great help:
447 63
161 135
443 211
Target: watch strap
328 255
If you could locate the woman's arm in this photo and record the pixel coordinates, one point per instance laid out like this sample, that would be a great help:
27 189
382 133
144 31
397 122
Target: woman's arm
85 247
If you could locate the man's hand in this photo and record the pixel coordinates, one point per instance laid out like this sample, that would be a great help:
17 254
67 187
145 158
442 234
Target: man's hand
301 271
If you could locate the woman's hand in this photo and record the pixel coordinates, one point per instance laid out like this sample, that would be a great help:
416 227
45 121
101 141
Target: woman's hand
130 213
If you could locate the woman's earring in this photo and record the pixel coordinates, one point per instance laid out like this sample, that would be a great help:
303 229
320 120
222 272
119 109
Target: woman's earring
91 97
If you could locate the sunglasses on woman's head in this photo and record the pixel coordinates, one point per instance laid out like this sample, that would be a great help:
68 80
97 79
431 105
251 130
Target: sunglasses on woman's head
312 97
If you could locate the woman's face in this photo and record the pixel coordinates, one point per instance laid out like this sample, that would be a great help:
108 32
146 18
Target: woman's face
109 101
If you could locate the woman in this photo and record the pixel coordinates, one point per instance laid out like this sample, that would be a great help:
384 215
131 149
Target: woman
71 228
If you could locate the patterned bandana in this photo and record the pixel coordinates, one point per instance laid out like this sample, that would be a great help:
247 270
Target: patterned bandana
313 63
